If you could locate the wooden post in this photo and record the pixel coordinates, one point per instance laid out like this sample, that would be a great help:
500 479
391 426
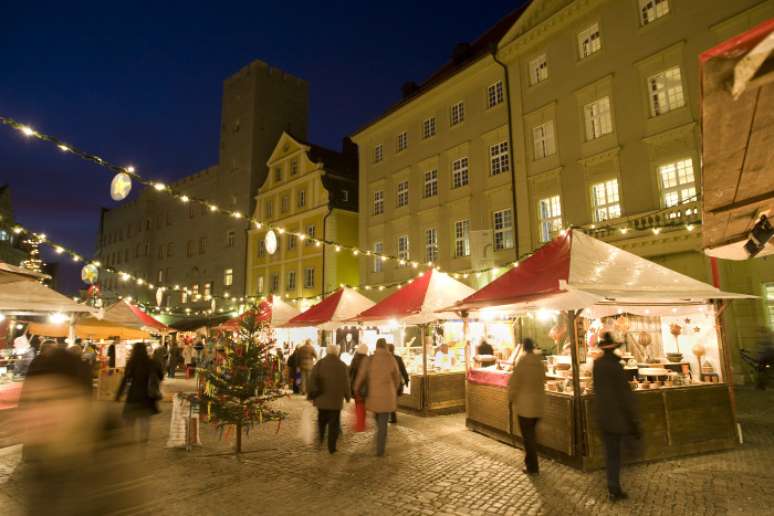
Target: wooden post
579 431
725 355
425 383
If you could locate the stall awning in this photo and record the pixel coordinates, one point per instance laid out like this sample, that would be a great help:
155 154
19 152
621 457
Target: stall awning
737 128
576 271
89 329
127 315
418 302
275 310
22 293
333 311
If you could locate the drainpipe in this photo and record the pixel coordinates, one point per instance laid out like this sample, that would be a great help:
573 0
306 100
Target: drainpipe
493 51
325 239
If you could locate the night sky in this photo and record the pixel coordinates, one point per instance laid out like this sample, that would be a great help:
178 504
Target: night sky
141 84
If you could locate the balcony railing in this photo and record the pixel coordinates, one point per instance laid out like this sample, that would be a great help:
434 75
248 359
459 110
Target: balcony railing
683 216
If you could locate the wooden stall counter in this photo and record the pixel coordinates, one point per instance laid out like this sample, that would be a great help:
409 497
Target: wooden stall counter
437 392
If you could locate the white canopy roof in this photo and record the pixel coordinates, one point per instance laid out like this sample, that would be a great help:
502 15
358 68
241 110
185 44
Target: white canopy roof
21 293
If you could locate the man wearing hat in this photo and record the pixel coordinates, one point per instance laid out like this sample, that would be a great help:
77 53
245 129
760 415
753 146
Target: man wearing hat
615 410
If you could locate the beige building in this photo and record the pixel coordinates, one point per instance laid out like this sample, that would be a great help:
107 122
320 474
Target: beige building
309 191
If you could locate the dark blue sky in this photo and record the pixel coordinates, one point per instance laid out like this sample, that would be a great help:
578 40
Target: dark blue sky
141 83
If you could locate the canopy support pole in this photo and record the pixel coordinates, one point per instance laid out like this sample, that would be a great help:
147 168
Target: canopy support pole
424 328
580 447
726 366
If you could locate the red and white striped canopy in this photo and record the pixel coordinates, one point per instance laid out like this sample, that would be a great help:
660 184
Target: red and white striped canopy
333 311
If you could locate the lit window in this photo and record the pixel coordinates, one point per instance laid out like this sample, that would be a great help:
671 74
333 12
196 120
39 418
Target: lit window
678 185
160 276
208 290
301 198
543 140
291 241
538 70
403 247
277 174
665 91
502 221
260 285
195 289
285 204
494 94
606 200
499 160
310 231
293 167
230 238
460 172
402 143
309 277
378 153
403 194
431 183
184 297
228 277
768 299
291 281
378 249
431 244
378 202
261 248
598 118
549 217
652 10
457 115
428 127
274 282
589 41
462 238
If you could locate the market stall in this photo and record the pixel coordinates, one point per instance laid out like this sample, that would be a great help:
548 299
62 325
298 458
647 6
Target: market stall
276 312
566 296
433 353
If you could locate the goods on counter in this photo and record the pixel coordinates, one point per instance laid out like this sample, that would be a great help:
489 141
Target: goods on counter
674 357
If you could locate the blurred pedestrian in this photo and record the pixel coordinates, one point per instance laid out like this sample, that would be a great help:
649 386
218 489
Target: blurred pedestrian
111 353
765 357
404 376
143 377
173 360
360 358
306 357
615 411
293 371
379 374
329 387
526 393
161 355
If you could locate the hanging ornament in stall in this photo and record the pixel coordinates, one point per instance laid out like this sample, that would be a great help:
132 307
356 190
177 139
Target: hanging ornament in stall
120 186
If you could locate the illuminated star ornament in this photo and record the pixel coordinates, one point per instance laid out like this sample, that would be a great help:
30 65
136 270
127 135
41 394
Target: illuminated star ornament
120 186
89 274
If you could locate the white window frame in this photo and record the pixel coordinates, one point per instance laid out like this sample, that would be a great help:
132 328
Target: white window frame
678 182
294 166
403 248
462 238
428 128
652 10
309 277
431 245
502 229
665 91
460 172
402 194
301 198
378 152
277 174
606 200
291 241
275 282
543 141
538 69
285 204
431 184
589 41
291 284
260 284
268 207
228 278
402 141
549 217
378 249
230 238
598 116
495 94
499 158
310 232
456 113
378 202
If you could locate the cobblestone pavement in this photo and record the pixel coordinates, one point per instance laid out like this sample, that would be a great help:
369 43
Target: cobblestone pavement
436 466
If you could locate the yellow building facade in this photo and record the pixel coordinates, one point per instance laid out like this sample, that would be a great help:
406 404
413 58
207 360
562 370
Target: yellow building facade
311 190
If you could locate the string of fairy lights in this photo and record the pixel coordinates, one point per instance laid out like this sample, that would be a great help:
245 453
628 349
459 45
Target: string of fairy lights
128 173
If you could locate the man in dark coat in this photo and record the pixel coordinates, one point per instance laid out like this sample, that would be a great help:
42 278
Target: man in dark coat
403 375
615 410
329 387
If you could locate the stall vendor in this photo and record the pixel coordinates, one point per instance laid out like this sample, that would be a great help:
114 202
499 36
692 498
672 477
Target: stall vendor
485 354
444 358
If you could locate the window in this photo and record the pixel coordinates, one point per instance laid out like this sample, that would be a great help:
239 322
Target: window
457 115
148 224
160 276
402 143
202 245
269 208
345 195
146 251
161 252
310 231
677 182
195 289
538 70
277 174
184 297
665 91
274 282
189 248
494 94
403 247
428 127
285 204
378 249
462 238
4 235
606 200
228 277
502 221
230 238
549 217
431 245
652 10
378 202
431 183
293 167
589 41
260 285
208 290
291 241
136 250
460 172
499 160
543 140
309 277
301 198
170 249
291 285
598 120
768 300
378 153
403 194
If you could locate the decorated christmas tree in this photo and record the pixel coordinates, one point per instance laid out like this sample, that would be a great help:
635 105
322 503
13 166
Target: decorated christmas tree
241 385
